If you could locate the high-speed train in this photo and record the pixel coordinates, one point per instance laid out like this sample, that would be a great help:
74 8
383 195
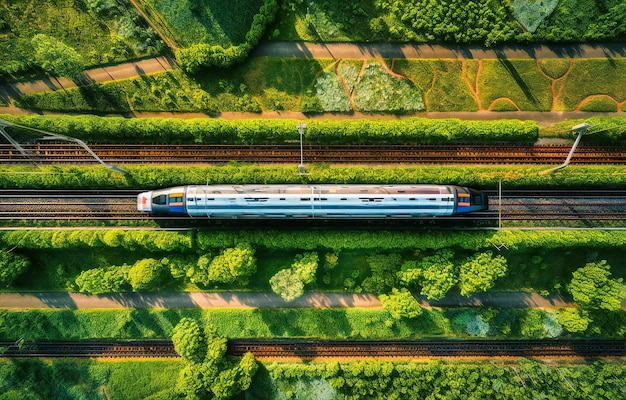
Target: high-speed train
326 201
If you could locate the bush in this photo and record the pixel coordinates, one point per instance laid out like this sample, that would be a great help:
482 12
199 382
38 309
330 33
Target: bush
287 284
12 265
203 55
219 131
146 274
401 304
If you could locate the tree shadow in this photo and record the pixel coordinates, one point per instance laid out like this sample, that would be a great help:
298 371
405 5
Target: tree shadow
508 65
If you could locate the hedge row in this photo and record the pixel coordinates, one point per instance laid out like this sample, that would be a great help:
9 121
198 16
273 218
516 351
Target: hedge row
149 177
190 242
278 131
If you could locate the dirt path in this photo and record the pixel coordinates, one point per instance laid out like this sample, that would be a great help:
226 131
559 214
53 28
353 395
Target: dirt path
330 50
262 300
398 50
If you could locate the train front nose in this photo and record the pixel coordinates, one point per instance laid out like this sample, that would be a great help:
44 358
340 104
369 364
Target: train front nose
144 201
478 200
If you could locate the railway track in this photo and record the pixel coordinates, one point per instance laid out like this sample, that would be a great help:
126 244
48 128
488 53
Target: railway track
516 205
310 349
54 153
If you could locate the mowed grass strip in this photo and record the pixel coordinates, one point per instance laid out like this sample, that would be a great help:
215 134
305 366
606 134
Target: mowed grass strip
441 82
592 77
519 80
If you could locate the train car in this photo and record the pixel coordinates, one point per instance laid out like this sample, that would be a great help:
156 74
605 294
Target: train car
324 201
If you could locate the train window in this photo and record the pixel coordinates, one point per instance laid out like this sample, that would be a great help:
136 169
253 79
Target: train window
232 198
190 199
160 200
211 198
282 198
343 198
412 198
432 199
478 200
305 199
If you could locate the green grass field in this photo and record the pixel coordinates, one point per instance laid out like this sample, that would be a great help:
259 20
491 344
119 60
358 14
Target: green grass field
593 77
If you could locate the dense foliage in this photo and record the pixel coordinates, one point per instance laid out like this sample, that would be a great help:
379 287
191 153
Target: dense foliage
307 240
277 131
205 55
208 374
134 380
593 288
12 265
487 22
55 57
289 282
442 380
100 31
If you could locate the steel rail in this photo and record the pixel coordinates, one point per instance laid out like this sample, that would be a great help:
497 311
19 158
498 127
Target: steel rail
149 153
121 205
309 349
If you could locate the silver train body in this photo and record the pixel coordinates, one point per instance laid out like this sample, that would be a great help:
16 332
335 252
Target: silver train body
325 201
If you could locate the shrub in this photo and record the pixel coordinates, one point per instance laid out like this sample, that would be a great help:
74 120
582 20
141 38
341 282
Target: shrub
12 265
233 265
146 274
401 304
103 280
56 57
287 284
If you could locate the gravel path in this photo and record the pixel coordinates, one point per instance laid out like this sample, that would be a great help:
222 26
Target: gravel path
262 300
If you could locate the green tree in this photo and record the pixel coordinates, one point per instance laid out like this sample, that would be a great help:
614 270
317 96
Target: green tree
190 341
209 374
305 266
199 274
233 265
479 272
103 280
287 284
573 319
55 57
146 274
401 304
593 288
12 265
436 274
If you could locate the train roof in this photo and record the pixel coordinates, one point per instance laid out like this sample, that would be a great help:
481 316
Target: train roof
321 189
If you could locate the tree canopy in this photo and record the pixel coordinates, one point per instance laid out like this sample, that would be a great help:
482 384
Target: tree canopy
55 57
11 266
593 288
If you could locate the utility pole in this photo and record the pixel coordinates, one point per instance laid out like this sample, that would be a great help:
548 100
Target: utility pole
301 127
